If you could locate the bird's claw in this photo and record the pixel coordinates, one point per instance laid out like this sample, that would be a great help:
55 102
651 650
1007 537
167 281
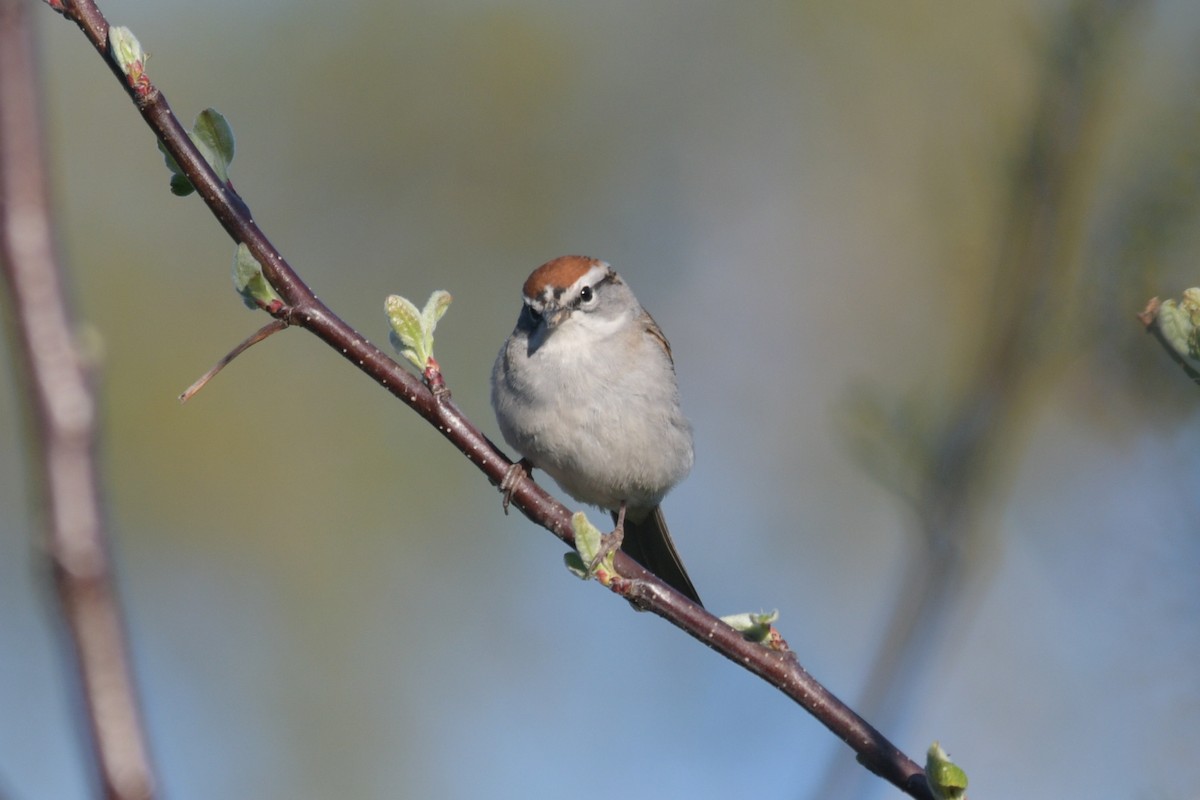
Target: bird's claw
609 542
513 476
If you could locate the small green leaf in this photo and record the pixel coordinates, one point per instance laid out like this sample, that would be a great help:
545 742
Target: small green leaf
250 282
406 328
753 627
1176 326
214 137
588 538
576 565
435 308
180 185
412 330
946 780
588 543
127 50
1179 322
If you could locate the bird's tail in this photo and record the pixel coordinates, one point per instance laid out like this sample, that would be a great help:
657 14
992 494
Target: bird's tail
649 543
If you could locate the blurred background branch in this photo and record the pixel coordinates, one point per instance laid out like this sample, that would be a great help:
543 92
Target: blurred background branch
63 445
950 458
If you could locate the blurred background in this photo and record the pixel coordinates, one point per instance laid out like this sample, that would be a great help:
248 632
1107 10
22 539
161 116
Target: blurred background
898 250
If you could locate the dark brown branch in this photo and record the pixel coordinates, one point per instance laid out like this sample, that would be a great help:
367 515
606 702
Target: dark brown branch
303 309
62 405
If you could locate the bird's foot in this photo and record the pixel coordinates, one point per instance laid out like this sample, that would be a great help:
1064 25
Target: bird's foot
513 478
610 542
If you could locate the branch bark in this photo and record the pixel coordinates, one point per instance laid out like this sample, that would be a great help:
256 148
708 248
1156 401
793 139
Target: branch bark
62 405
302 309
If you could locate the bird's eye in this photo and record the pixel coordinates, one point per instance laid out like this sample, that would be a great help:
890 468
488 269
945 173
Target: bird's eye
585 294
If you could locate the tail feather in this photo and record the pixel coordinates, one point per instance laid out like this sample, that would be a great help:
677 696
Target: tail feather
649 543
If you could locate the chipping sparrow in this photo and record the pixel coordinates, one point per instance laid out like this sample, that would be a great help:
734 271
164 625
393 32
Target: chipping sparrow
585 390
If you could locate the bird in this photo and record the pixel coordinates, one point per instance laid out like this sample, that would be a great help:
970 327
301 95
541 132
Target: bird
585 390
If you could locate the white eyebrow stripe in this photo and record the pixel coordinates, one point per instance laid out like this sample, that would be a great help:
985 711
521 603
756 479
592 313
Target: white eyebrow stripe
594 275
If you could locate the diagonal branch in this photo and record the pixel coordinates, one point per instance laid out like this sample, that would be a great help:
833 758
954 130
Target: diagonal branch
61 401
301 308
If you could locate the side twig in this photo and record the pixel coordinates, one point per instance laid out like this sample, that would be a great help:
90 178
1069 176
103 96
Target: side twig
301 308
274 326
62 405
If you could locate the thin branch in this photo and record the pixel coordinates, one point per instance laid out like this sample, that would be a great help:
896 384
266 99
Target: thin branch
274 326
303 309
61 400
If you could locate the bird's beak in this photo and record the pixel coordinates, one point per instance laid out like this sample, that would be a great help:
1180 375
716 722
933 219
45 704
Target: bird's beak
556 317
